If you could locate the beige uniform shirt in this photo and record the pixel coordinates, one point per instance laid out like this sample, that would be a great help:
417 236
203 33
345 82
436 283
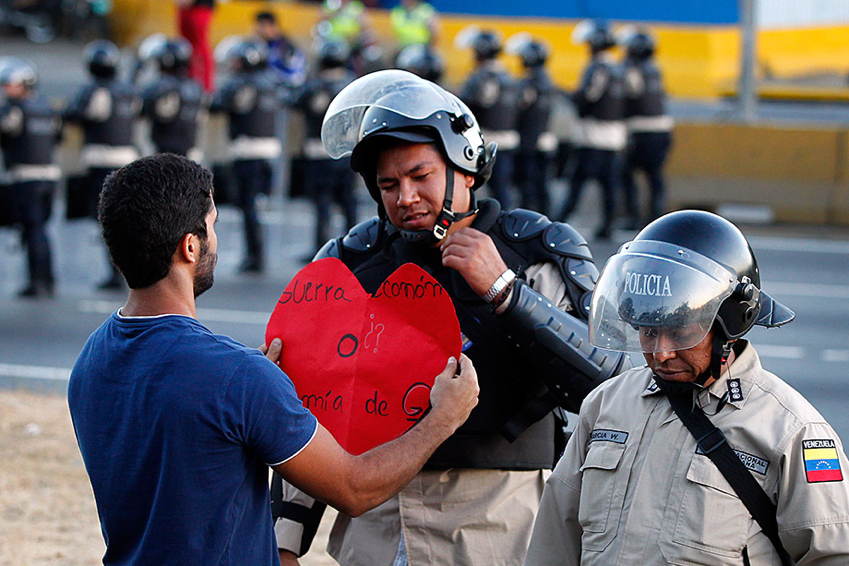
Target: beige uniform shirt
631 489
452 517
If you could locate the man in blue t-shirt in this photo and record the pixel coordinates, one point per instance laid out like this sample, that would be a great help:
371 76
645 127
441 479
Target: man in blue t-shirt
178 426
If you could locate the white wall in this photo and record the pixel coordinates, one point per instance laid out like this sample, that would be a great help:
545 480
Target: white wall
801 13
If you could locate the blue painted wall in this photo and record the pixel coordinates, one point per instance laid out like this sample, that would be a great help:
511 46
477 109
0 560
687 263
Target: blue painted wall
678 11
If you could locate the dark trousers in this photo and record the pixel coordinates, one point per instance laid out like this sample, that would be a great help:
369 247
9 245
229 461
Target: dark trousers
502 178
96 177
328 182
252 179
647 152
601 165
32 203
533 173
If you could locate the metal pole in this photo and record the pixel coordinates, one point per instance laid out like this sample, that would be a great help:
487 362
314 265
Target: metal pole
746 91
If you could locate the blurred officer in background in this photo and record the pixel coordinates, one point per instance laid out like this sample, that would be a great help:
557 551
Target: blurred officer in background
599 101
490 93
173 102
326 180
107 110
251 101
537 144
649 126
421 60
414 22
29 130
284 57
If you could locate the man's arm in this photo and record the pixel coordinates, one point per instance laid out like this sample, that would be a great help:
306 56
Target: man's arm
556 536
355 484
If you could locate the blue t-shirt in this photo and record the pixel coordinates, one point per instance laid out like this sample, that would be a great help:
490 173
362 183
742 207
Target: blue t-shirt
177 427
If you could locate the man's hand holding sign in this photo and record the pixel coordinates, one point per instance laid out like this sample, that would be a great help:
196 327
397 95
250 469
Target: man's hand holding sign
364 365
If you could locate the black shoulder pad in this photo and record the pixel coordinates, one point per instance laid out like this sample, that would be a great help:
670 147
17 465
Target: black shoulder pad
330 249
362 237
562 239
521 224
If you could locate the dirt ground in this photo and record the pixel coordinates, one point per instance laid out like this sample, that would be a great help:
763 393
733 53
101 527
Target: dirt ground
47 511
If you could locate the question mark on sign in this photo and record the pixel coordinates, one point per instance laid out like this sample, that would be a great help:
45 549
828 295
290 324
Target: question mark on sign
376 330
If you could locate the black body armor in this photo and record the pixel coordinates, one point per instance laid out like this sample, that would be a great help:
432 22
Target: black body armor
650 99
607 104
173 105
34 142
116 128
315 96
491 95
536 99
525 357
252 102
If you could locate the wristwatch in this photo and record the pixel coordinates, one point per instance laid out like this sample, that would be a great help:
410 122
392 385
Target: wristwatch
500 284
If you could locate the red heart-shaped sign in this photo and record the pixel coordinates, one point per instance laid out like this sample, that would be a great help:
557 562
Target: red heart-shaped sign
364 365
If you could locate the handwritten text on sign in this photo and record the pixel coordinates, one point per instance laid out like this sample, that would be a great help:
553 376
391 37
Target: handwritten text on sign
363 364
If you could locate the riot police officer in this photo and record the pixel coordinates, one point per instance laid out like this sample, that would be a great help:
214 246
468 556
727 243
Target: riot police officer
537 144
421 60
701 456
599 101
649 125
326 180
29 130
519 284
252 104
174 102
490 94
107 110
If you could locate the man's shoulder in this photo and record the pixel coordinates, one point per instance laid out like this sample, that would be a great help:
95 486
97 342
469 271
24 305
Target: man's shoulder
364 238
783 397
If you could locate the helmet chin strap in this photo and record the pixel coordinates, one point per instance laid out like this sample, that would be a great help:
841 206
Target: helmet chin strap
446 217
720 352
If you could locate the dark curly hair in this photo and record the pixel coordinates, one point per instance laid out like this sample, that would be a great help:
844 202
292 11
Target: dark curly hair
146 207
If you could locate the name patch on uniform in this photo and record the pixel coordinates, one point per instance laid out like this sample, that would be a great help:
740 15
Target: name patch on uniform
605 435
752 462
735 393
822 462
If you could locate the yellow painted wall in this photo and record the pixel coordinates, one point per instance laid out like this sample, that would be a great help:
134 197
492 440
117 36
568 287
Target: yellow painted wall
698 61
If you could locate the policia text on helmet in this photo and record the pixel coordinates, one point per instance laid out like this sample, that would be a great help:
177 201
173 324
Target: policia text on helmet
391 107
686 277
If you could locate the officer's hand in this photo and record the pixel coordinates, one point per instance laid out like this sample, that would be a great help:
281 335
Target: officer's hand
272 351
454 396
474 255
288 559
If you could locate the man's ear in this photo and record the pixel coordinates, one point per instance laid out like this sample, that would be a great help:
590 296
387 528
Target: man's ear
470 181
188 250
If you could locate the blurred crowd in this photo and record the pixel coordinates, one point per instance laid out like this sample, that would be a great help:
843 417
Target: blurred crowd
270 86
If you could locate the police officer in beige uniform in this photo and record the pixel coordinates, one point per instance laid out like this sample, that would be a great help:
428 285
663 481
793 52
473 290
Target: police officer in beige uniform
632 486
519 285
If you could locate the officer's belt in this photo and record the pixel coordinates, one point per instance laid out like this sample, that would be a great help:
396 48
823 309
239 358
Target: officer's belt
506 139
244 147
112 156
28 172
663 123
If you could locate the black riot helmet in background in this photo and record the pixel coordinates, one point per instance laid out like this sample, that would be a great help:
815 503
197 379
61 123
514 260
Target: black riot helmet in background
15 71
421 60
487 45
686 273
531 52
395 105
241 53
639 44
333 53
102 58
173 55
595 33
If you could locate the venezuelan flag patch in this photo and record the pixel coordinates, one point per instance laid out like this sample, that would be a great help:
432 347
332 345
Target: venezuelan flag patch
822 462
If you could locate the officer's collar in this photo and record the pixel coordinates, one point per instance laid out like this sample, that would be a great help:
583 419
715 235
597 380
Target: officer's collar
488 211
743 370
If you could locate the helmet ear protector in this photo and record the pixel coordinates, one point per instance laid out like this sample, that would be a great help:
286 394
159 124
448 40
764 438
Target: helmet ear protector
739 312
